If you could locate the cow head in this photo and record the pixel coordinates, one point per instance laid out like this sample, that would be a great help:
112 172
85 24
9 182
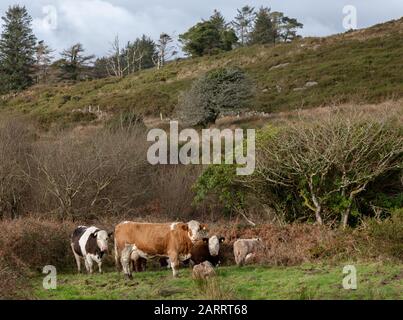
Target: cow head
214 244
102 239
196 230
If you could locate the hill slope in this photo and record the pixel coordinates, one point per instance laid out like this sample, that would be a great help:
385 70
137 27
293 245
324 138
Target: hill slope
363 66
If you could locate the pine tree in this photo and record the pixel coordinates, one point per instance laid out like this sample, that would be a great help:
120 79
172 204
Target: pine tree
146 49
218 20
17 50
290 26
243 23
264 29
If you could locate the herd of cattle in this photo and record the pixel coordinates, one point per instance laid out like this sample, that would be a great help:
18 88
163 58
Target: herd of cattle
172 243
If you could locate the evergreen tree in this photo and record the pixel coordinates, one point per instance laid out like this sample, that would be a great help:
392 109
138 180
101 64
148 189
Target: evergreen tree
17 50
218 20
74 62
146 49
243 23
264 29
209 37
290 26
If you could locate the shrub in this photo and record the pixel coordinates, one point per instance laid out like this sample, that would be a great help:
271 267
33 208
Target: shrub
387 235
16 137
220 180
31 243
172 187
125 120
324 166
99 173
221 90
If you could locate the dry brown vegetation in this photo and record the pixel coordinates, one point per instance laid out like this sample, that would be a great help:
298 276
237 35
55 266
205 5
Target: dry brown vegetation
52 182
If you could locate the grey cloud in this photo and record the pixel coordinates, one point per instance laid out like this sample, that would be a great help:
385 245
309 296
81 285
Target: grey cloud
96 22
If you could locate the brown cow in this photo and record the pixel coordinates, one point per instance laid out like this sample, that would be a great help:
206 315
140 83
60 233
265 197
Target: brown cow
135 240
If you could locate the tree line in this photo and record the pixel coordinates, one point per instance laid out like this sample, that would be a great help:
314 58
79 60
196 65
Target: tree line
25 61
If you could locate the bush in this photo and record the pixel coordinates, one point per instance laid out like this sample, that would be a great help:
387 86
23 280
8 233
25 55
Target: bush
105 172
321 168
216 92
16 137
172 187
387 235
29 244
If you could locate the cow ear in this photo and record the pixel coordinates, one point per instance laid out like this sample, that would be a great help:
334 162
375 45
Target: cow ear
185 227
205 240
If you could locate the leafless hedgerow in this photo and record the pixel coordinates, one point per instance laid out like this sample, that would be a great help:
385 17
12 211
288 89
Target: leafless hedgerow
15 143
172 186
81 175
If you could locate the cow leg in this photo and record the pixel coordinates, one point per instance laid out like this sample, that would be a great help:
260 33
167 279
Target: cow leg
99 262
174 264
89 263
125 260
77 257
117 260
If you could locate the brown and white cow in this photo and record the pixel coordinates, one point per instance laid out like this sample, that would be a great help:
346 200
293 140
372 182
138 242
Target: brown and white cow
136 240
207 249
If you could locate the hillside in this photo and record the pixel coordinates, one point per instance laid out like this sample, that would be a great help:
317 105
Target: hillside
360 66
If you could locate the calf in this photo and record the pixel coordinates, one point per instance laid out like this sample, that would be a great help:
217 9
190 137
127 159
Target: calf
245 249
89 243
134 240
207 250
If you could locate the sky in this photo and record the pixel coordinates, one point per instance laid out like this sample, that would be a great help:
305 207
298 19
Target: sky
95 23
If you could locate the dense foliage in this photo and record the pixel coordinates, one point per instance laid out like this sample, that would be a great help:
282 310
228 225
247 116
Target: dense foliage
221 90
17 49
323 170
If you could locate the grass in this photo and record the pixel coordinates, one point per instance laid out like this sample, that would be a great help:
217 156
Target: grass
357 67
308 281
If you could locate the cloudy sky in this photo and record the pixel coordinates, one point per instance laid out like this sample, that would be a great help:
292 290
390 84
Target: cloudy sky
96 22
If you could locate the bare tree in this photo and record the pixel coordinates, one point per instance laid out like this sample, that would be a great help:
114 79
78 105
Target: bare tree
43 60
125 61
331 160
165 50
114 62
15 145
88 174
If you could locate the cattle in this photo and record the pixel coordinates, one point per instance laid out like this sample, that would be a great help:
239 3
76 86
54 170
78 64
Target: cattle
135 240
90 244
207 249
245 250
